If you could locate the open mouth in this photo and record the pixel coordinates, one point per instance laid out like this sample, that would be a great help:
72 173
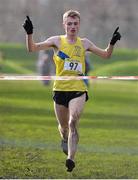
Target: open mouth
73 31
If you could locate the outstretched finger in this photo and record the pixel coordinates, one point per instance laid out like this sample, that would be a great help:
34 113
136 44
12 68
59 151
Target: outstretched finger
116 30
28 18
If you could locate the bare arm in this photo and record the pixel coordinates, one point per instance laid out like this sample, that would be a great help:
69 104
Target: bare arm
51 42
104 53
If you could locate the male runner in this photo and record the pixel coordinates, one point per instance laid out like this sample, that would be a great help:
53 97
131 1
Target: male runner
69 56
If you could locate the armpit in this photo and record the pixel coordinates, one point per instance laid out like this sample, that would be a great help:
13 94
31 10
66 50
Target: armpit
85 43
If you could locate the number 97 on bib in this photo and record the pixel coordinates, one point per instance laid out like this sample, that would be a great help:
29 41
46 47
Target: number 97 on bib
72 66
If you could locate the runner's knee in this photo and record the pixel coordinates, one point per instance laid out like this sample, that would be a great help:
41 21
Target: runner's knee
63 129
73 130
72 125
75 116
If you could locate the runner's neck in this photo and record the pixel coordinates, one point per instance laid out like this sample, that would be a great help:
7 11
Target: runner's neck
71 39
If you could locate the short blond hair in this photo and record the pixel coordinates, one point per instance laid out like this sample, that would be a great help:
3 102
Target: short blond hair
71 13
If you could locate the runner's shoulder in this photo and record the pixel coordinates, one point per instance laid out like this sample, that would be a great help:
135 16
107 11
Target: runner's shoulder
86 42
55 40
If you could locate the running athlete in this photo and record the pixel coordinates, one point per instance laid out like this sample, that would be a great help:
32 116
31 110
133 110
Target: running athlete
69 56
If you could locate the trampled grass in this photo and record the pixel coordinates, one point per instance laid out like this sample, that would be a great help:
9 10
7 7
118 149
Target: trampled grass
30 142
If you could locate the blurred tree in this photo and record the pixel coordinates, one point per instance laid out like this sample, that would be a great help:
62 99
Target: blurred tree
98 19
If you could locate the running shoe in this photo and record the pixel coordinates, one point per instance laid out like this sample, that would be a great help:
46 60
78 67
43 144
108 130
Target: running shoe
70 165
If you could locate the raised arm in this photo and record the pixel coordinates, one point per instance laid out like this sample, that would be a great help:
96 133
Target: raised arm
51 42
104 53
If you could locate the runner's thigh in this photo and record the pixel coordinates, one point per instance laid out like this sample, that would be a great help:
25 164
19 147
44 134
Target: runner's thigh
62 114
76 106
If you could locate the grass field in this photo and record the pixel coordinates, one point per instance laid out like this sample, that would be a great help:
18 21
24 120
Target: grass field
17 60
124 62
30 143
29 139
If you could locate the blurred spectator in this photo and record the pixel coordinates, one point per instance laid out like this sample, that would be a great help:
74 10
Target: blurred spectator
45 64
1 59
88 67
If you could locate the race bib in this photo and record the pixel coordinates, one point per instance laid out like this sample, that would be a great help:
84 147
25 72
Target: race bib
72 66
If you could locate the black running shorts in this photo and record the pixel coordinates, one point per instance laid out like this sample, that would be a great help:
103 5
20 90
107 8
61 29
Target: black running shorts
63 97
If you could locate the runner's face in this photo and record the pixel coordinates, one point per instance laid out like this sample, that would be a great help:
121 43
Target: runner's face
71 26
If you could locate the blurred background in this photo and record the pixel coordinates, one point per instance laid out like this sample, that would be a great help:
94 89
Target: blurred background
99 18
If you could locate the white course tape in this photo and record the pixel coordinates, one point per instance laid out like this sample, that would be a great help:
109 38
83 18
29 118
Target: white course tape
29 77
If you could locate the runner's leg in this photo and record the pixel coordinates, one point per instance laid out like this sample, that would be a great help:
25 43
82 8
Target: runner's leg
75 108
62 115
